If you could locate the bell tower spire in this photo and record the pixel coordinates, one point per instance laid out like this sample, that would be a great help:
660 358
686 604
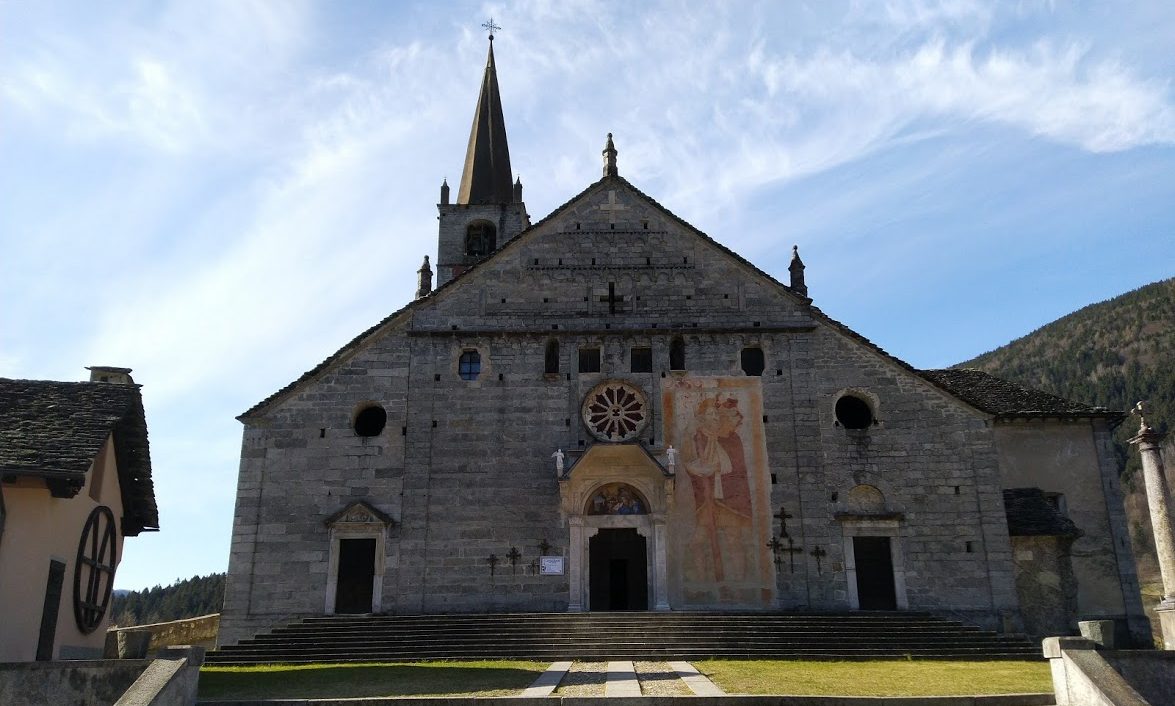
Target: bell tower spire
487 177
488 211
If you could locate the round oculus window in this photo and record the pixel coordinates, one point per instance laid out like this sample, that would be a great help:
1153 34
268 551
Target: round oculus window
615 411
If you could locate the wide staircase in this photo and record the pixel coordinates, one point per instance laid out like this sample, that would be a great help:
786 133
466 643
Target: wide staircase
618 636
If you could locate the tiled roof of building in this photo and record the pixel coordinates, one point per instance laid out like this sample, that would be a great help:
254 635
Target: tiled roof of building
1030 514
1007 399
53 430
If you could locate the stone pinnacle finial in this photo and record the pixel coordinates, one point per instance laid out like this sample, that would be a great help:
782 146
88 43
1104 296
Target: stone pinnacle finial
796 268
424 279
518 190
445 192
610 158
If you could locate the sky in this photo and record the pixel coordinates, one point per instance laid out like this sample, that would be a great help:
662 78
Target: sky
221 193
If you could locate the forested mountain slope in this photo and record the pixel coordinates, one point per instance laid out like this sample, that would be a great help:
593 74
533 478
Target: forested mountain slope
199 595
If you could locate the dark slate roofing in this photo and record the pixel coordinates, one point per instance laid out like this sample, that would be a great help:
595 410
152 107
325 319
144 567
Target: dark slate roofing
1007 399
486 177
55 429
1030 514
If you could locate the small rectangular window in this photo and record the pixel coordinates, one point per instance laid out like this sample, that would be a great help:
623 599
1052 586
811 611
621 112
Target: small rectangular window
642 360
589 360
469 365
752 360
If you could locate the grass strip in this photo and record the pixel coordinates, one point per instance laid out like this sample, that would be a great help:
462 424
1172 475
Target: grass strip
311 681
883 678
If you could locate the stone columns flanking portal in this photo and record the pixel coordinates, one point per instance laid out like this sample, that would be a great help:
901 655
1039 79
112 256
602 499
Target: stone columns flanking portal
575 568
1158 498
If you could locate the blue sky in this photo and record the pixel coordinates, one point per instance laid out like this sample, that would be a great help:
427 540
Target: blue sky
220 194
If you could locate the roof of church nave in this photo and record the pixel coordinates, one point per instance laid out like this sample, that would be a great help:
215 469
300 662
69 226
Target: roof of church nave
1004 398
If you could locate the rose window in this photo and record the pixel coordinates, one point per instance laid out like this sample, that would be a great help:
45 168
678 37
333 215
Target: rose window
615 411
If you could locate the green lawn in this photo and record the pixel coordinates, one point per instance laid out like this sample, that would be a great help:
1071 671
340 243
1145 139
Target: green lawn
890 678
356 680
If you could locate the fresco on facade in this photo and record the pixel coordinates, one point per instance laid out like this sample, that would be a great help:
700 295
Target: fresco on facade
616 499
721 520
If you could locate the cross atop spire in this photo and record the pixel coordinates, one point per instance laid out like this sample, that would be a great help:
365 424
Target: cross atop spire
490 27
486 177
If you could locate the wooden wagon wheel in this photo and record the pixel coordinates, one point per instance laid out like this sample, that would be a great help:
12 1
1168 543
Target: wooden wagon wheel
93 573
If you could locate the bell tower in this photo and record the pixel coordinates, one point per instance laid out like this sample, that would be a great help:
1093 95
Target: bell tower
489 210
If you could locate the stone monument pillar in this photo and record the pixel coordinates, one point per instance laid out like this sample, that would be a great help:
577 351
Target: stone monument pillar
1158 498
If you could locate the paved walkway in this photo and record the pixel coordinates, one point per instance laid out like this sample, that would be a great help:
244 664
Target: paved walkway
619 678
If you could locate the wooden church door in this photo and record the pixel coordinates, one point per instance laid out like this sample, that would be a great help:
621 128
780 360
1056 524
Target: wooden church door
875 586
356 573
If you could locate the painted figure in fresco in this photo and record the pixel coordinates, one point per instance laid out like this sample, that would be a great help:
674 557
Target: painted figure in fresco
616 499
716 464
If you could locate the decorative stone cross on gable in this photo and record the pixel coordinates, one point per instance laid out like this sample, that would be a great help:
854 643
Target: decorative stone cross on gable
615 301
613 206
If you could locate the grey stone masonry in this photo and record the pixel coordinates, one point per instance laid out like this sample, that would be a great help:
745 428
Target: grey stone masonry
463 466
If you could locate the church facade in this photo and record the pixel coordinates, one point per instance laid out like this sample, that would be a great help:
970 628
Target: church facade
609 410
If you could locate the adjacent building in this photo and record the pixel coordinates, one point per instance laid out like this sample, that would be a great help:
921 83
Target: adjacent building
75 480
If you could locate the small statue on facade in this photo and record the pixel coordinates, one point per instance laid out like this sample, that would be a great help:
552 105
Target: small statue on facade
671 458
1140 410
558 456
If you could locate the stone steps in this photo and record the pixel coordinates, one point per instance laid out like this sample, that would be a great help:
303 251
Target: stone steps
603 636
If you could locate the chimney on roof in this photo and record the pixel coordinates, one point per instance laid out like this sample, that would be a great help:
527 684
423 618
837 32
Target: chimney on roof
114 376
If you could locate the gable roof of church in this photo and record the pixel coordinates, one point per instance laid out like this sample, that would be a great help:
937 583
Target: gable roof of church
54 430
939 382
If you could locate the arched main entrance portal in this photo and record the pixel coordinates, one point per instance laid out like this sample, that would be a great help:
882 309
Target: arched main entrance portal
616 498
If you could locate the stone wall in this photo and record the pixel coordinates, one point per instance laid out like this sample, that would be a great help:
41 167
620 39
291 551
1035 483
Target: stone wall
1075 460
190 631
76 682
1045 585
464 468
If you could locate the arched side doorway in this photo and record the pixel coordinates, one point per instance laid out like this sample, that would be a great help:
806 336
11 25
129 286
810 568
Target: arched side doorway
616 498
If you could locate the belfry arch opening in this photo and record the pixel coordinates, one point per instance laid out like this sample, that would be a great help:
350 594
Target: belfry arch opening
481 239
